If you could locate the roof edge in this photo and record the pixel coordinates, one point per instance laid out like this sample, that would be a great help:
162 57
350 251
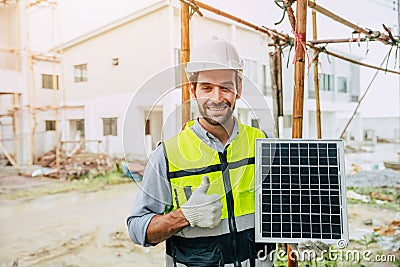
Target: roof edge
115 24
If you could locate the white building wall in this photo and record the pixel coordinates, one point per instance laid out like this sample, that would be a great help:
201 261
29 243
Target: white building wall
142 47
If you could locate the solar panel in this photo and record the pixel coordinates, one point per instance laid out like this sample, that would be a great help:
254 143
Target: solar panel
300 191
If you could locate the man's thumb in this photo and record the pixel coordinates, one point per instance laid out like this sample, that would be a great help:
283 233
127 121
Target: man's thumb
205 184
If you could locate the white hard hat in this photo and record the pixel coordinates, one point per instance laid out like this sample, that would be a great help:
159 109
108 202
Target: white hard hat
216 54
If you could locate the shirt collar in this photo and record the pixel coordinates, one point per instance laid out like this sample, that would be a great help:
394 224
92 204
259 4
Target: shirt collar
203 134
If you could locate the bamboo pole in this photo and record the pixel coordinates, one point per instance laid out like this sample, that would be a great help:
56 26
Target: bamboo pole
34 113
9 50
59 56
316 84
358 62
229 16
338 56
46 57
283 37
15 129
37 2
342 40
17 66
298 97
184 58
345 22
55 99
276 82
289 10
9 157
30 137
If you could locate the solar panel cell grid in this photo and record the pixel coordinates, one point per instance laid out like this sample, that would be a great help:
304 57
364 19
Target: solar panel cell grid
302 195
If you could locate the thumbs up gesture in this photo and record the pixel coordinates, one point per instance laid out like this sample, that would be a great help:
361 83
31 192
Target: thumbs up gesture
203 210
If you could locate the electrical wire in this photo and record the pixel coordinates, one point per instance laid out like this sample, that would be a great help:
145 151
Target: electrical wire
363 96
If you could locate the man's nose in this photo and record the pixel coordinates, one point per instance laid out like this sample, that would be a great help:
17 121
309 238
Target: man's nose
217 92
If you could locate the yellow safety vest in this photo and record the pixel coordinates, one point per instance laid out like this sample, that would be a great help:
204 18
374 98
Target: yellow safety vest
230 172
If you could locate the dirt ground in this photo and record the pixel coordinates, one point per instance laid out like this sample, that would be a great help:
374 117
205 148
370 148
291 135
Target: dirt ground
88 228
72 229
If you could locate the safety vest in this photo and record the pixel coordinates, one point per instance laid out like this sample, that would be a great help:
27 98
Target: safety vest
231 175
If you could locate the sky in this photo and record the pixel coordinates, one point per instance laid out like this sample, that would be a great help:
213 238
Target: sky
77 17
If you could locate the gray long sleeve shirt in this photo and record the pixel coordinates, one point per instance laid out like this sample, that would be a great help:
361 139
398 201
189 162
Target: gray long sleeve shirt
154 194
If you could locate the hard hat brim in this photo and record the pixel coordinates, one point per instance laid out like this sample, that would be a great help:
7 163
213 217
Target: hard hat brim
197 66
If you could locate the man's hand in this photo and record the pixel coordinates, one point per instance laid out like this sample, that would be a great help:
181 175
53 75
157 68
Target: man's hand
309 250
201 209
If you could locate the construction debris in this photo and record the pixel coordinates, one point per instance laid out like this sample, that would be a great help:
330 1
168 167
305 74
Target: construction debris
389 230
47 159
75 165
381 196
389 236
43 172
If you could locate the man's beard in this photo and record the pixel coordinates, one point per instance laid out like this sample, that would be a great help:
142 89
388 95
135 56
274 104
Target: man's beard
220 119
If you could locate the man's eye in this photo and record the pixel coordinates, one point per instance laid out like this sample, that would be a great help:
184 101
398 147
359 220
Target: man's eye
206 87
230 88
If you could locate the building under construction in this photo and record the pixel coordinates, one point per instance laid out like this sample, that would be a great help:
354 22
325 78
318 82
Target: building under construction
78 94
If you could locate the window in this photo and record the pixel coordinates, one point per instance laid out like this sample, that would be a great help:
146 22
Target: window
80 73
325 82
77 126
115 61
50 125
47 81
264 87
342 84
80 125
147 128
177 60
251 70
354 98
110 126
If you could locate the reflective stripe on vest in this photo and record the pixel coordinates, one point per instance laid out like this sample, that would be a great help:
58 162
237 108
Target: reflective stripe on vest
189 159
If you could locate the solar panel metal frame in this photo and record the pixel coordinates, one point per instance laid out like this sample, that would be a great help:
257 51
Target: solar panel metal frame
258 191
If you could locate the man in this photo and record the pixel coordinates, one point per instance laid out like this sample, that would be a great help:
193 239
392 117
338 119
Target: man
197 192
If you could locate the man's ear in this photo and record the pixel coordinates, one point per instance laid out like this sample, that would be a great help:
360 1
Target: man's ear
239 90
192 91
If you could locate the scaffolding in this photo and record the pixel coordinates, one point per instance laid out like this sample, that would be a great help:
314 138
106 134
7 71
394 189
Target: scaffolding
298 24
17 52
